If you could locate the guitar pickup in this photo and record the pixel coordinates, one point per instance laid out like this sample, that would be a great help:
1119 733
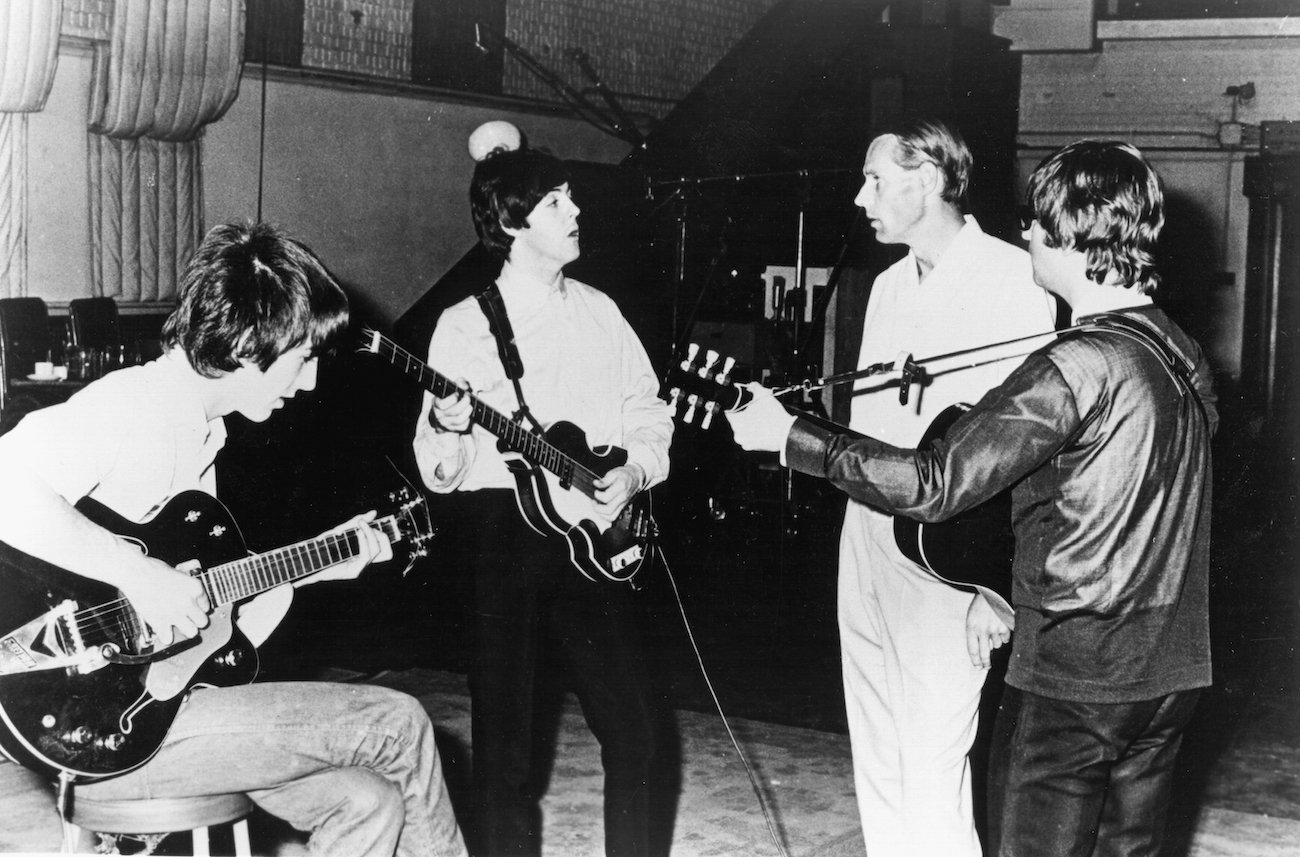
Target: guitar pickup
632 555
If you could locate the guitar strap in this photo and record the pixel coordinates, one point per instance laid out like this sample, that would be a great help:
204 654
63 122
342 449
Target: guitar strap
1180 372
494 308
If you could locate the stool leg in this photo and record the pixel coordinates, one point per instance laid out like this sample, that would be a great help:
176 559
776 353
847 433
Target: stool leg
242 846
201 848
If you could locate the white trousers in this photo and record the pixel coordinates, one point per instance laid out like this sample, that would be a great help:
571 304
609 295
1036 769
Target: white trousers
912 696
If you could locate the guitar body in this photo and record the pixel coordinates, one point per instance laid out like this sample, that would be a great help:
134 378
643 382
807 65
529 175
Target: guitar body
599 548
112 718
553 474
972 549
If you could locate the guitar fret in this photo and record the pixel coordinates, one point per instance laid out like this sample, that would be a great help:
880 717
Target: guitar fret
533 446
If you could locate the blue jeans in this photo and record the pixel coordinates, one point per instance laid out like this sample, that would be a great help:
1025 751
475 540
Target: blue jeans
1082 779
354 766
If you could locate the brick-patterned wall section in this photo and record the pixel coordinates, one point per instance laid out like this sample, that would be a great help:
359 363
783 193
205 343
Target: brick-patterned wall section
88 19
651 52
379 44
657 49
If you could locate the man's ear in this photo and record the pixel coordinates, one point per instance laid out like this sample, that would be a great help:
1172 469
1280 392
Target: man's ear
931 177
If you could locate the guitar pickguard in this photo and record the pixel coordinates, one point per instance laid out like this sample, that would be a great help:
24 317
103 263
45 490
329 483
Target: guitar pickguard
599 548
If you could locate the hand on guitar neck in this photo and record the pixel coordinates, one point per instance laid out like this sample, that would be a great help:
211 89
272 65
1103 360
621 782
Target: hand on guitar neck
700 388
973 549
762 424
174 605
613 490
592 497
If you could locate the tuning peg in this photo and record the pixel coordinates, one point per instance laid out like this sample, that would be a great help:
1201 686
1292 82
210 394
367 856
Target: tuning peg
674 395
710 358
709 409
691 351
691 401
725 375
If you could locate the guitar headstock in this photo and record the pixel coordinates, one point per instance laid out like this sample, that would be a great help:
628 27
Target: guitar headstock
369 341
411 523
701 385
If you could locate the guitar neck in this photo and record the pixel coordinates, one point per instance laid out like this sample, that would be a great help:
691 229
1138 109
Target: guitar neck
516 437
252 575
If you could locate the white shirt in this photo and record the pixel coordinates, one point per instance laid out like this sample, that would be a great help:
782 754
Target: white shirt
980 291
582 363
131 440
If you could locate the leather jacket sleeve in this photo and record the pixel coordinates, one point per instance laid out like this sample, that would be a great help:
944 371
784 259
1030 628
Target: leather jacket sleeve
1009 433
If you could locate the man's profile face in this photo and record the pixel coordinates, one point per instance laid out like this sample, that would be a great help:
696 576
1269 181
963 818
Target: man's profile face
892 196
260 393
551 235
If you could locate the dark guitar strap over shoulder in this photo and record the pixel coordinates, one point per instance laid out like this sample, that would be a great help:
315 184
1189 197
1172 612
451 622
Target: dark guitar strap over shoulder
1174 363
494 308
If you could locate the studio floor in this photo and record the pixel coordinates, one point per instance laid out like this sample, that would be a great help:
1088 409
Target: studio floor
1248 802
742 616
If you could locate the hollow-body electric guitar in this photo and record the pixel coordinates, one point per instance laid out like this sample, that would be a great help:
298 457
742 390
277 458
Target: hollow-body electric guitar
84 690
972 549
555 474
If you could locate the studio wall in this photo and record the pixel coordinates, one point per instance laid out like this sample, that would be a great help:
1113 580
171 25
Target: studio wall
376 181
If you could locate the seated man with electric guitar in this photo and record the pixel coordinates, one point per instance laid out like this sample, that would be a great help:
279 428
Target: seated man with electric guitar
558 356
1103 437
122 671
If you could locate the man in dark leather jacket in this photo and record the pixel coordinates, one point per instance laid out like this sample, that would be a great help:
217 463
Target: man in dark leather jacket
1104 436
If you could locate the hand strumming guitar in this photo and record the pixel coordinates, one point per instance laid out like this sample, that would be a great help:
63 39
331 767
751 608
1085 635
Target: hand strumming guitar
171 602
763 424
617 487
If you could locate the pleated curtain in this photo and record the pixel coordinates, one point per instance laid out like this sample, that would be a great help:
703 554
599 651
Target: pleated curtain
170 68
29 54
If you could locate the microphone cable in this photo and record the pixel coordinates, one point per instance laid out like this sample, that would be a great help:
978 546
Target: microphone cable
763 798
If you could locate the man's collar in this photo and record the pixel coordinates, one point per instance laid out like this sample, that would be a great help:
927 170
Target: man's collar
521 291
1103 299
970 231
187 393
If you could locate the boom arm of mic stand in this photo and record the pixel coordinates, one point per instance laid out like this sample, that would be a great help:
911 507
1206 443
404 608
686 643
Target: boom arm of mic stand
914 369
622 122
575 99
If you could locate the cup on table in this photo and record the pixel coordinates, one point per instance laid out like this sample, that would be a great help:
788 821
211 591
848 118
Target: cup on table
44 369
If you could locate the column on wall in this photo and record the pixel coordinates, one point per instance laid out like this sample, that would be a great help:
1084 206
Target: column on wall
170 68
29 54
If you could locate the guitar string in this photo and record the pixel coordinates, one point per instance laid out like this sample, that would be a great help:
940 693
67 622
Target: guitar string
103 610
119 611
541 450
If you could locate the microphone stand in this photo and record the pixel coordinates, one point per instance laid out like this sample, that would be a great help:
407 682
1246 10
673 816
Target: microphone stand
911 370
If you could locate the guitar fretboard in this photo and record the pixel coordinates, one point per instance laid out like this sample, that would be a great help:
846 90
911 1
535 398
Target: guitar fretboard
243 578
517 438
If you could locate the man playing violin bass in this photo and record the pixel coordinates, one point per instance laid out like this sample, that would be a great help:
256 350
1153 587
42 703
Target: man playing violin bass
1104 435
354 767
581 363
914 649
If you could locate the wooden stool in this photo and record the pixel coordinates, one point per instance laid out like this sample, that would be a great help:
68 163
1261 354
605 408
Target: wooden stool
167 815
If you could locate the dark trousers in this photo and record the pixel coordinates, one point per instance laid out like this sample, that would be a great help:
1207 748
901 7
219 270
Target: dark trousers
1082 779
527 598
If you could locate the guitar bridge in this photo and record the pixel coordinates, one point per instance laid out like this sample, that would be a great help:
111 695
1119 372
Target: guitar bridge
50 641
